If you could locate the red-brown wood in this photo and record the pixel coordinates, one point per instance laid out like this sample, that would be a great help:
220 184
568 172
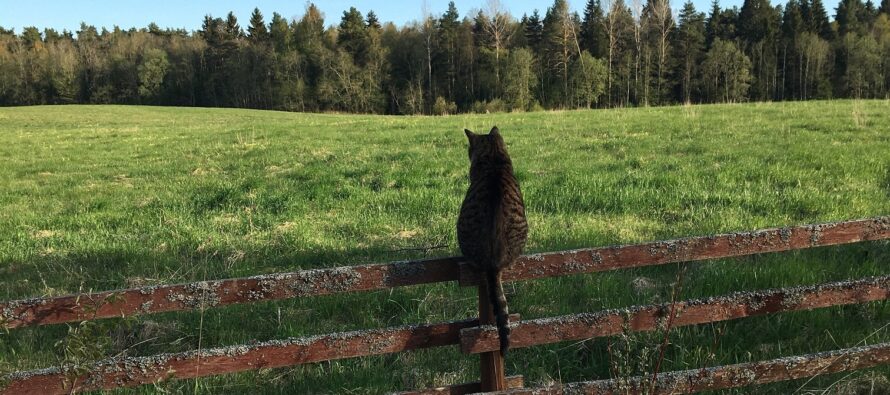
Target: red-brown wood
179 297
600 259
730 376
691 312
127 372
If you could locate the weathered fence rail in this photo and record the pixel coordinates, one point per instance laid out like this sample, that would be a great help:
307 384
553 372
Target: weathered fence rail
729 376
180 297
692 312
472 338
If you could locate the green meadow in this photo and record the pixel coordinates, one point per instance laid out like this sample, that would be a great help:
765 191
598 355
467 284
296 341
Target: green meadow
107 197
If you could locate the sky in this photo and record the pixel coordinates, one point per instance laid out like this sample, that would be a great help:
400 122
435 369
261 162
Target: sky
188 14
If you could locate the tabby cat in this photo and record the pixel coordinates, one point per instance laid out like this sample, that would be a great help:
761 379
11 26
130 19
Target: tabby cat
491 228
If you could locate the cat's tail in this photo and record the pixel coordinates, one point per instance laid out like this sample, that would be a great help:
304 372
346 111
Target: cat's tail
499 305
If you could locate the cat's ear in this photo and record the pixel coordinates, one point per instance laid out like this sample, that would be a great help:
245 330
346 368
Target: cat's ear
494 131
470 134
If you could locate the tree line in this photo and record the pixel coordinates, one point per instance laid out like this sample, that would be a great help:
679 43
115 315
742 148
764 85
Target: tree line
615 54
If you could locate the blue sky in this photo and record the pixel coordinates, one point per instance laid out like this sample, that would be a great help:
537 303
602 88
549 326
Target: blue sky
188 13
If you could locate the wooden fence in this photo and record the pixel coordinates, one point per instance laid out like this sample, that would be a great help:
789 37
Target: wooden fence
468 334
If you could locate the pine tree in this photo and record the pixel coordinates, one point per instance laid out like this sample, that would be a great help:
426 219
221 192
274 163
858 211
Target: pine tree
754 20
372 21
32 38
805 13
232 29
712 30
850 17
352 35
593 36
885 7
792 20
449 31
792 72
534 31
817 21
689 48
559 47
280 33
257 30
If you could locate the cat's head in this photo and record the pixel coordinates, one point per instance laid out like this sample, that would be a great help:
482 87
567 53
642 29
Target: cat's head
484 146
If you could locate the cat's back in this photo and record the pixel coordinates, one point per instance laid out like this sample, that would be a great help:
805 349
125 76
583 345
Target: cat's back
492 224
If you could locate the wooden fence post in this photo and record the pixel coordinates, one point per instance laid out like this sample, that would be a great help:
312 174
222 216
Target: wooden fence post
491 364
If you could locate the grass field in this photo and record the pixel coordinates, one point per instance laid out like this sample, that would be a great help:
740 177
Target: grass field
104 197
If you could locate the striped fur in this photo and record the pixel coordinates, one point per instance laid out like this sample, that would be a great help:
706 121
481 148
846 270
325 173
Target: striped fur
491 228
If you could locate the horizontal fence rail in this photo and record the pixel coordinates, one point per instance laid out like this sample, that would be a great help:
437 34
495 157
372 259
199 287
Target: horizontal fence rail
132 371
203 294
691 312
468 334
197 295
729 376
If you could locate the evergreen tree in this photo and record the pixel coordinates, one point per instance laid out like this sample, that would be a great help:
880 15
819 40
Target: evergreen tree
712 30
885 7
559 48
51 35
689 46
534 31
817 20
755 19
352 36
792 20
280 33
791 66
372 21
232 28
449 34
593 37
32 38
850 17
257 30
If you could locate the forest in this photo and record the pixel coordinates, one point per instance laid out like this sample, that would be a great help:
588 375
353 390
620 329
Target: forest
612 54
